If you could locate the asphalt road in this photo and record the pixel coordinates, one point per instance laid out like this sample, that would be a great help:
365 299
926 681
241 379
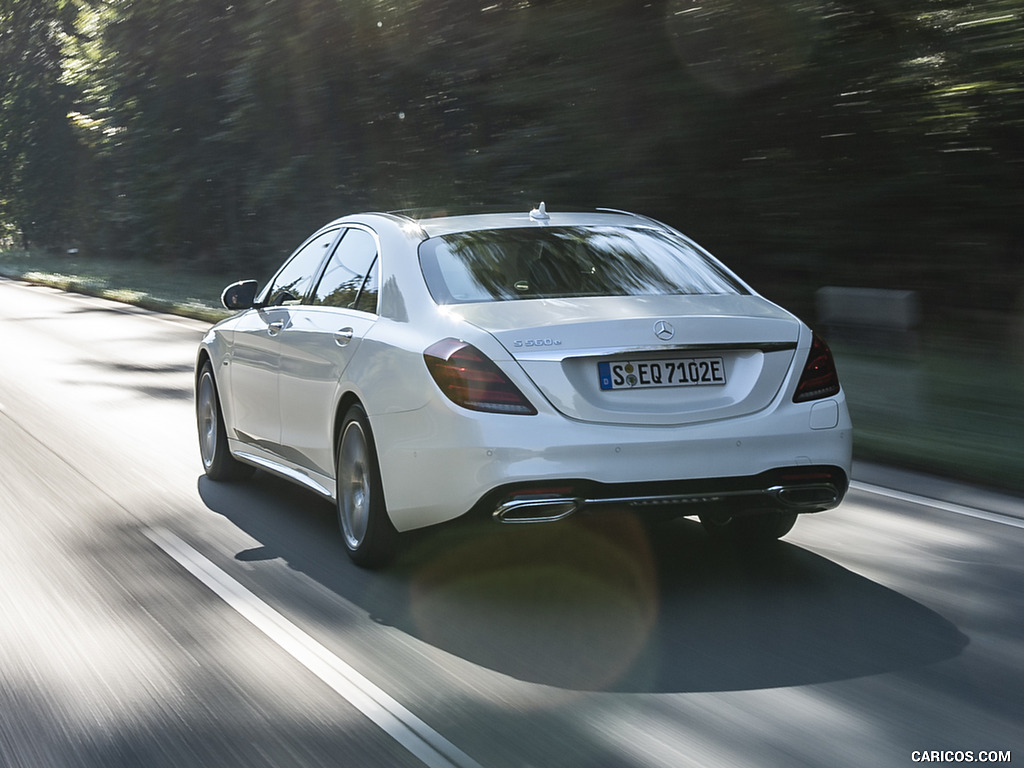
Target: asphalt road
151 618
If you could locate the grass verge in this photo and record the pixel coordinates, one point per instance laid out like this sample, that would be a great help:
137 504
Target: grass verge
949 409
180 290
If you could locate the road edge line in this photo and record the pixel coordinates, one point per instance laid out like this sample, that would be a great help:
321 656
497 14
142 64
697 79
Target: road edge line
945 506
383 710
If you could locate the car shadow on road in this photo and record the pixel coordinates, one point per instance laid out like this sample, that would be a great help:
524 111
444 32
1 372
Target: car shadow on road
605 603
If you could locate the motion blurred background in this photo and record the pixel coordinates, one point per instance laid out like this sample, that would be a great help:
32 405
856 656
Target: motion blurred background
164 145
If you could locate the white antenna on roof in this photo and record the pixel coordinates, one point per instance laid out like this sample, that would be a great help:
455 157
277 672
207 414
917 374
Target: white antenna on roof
540 213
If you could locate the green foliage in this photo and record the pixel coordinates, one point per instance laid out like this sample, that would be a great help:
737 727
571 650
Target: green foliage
808 141
38 154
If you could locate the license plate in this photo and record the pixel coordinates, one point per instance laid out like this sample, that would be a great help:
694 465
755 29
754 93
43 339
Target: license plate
648 374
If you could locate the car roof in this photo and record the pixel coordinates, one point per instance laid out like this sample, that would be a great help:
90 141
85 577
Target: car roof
446 225
435 223
474 222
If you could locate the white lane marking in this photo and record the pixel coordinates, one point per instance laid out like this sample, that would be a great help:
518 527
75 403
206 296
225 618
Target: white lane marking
397 721
945 506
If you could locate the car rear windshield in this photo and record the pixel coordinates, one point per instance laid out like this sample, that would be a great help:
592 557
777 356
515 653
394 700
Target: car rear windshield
568 262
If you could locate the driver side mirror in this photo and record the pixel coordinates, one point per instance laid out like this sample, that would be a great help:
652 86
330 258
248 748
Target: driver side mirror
240 295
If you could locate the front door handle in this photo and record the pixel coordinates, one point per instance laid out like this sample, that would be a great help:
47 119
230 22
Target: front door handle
344 336
275 328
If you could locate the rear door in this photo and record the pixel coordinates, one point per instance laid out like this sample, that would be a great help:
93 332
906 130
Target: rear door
317 344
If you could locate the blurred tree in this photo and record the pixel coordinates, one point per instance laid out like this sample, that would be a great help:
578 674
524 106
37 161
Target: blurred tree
39 156
158 82
886 151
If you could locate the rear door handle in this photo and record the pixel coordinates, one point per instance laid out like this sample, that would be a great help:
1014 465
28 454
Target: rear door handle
275 328
344 336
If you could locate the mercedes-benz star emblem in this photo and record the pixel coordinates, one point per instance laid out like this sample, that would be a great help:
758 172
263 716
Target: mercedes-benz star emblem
664 330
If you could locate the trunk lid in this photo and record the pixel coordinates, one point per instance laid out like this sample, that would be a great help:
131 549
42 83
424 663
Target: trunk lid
666 360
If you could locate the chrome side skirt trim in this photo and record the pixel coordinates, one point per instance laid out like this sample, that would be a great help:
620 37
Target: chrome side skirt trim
286 472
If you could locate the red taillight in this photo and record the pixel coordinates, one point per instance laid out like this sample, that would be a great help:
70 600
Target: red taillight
819 378
469 379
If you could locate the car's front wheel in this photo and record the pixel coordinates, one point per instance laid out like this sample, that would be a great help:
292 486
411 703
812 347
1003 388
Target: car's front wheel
751 529
369 536
218 462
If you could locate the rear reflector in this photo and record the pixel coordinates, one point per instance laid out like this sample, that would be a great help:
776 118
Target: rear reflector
470 379
819 378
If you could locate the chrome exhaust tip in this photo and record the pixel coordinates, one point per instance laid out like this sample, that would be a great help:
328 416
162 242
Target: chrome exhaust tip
806 496
535 510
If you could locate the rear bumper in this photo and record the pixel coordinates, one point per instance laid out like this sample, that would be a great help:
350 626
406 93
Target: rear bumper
436 467
794 489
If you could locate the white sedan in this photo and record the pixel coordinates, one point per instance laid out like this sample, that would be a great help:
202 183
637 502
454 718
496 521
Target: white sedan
524 366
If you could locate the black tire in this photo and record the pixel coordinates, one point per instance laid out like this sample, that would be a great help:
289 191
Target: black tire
756 529
218 462
370 538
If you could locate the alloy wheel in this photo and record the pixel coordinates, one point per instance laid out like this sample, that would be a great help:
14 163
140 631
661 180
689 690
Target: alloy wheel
207 413
354 485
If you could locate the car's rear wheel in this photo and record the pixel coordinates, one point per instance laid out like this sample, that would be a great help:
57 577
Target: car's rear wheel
369 536
218 462
750 529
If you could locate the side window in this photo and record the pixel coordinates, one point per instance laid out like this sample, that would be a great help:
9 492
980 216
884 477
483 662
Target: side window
367 301
350 280
296 277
